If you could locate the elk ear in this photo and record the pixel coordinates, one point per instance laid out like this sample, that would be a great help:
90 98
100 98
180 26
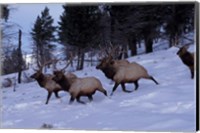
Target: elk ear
110 57
186 47
40 70
63 70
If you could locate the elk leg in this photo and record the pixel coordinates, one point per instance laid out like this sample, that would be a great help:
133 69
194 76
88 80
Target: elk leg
192 74
103 91
90 97
56 94
114 88
78 100
136 84
153 80
71 100
48 97
124 88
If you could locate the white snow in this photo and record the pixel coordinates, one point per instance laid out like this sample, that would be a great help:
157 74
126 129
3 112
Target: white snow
169 106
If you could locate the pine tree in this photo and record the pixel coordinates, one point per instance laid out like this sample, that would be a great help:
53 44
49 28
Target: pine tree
11 62
125 27
43 35
179 19
5 11
150 19
79 27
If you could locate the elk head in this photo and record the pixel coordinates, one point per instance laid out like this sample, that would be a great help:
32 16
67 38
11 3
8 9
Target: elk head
38 72
109 55
58 74
104 62
182 50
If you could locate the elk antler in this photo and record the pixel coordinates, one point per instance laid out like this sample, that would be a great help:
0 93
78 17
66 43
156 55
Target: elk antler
69 61
113 49
34 68
44 64
187 44
55 61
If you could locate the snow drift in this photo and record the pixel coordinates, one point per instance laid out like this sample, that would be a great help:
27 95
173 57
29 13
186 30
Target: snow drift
169 106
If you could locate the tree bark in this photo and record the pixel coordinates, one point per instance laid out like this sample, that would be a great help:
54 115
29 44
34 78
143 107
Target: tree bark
82 59
149 45
20 63
78 59
133 46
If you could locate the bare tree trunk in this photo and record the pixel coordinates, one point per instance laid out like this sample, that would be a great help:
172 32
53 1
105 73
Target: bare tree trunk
91 59
78 59
82 59
132 46
20 63
149 45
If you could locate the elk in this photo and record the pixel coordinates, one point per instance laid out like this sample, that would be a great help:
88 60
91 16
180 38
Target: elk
187 58
78 87
126 73
64 80
109 71
86 86
129 73
46 82
60 77
122 71
109 56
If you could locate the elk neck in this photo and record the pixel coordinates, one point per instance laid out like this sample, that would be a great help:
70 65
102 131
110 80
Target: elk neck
109 72
41 80
187 59
64 83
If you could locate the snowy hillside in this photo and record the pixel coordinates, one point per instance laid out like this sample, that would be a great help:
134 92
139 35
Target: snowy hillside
169 106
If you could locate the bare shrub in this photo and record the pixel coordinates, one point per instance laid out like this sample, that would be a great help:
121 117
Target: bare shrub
7 82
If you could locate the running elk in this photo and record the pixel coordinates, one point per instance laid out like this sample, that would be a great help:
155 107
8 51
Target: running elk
109 71
108 57
78 87
46 82
129 73
187 58
122 71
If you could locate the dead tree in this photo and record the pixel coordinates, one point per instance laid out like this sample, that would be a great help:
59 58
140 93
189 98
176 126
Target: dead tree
20 59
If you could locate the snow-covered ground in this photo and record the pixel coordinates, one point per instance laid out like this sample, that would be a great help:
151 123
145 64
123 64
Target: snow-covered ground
169 106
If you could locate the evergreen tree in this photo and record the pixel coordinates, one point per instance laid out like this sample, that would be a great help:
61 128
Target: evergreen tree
178 20
79 27
11 62
105 26
150 20
132 23
5 11
118 22
43 35
127 24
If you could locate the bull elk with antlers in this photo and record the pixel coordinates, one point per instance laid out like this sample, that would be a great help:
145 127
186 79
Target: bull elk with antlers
46 82
78 87
122 71
187 58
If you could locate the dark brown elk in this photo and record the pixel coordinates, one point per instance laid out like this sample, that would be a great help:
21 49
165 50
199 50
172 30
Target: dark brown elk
46 82
78 87
187 58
